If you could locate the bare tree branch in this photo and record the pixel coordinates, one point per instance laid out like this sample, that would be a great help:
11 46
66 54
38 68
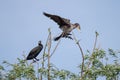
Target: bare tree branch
95 40
94 47
77 42
43 57
55 48
49 47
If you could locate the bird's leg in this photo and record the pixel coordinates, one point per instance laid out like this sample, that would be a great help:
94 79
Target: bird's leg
36 59
68 34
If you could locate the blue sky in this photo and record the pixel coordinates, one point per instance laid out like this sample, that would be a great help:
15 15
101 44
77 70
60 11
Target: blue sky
22 25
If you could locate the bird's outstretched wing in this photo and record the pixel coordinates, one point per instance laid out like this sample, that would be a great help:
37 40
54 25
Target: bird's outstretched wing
59 20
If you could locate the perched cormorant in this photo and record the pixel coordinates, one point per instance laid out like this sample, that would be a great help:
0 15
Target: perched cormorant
34 52
64 25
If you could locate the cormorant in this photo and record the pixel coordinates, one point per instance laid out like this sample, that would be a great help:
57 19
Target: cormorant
64 25
34 52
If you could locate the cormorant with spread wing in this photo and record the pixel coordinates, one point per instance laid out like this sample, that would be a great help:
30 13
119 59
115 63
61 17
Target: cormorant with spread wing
34 52
64 25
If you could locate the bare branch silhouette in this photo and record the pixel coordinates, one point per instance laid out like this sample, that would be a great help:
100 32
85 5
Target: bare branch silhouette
49 47
43 57
91 57
77 42
55 48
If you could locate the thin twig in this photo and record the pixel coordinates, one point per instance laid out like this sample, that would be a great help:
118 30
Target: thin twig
94 47
49 47
38 71
77 42
48 43
95 41
55 48
45 50
43 57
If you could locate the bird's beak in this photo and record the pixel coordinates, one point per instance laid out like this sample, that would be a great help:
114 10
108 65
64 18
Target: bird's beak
78 27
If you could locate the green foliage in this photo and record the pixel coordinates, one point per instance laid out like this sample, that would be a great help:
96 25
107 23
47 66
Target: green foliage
95 66
20 70
59 74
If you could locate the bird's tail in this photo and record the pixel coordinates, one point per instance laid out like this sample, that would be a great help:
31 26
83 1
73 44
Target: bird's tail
63 35
57 38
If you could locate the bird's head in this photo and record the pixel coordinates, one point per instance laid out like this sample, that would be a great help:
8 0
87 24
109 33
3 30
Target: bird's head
77 26
39 43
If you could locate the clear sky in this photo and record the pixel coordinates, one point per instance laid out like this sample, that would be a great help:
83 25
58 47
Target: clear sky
22 25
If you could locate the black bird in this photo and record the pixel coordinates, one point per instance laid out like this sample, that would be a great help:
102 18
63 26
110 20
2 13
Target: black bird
34 52
64 25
